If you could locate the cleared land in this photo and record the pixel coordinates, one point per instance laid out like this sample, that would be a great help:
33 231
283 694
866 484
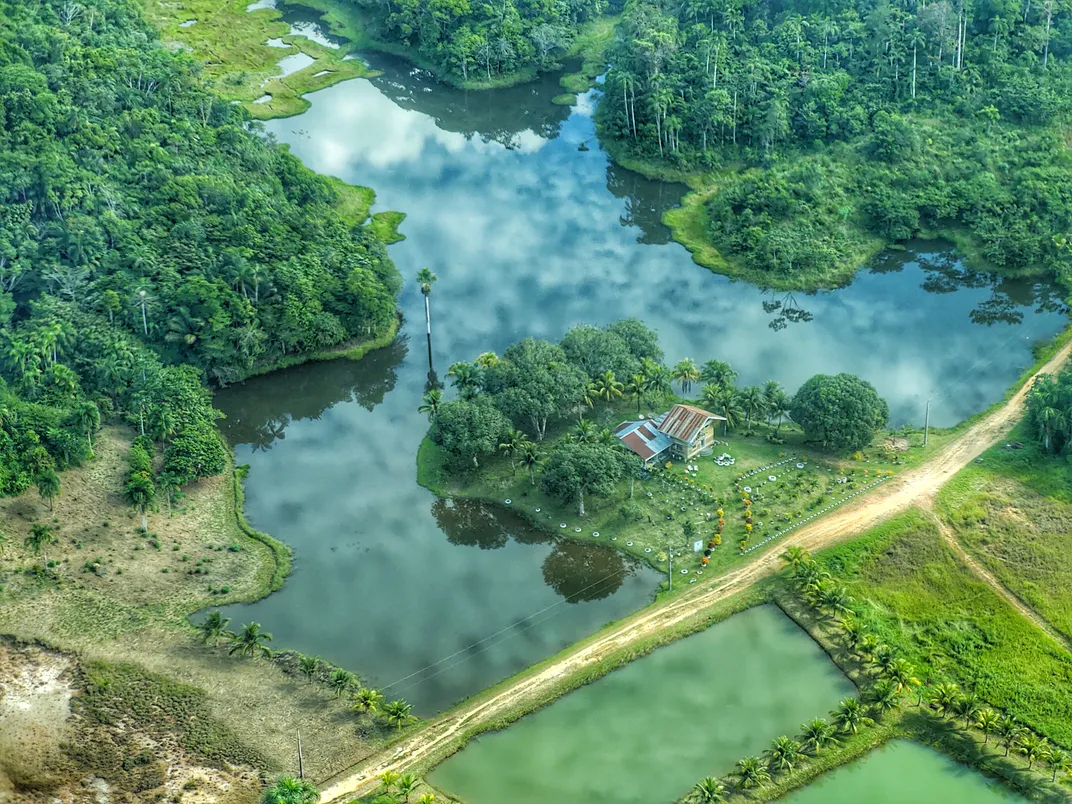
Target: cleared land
117 596
890 499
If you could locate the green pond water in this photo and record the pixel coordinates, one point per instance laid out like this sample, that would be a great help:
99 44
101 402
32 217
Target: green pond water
903 772
647 732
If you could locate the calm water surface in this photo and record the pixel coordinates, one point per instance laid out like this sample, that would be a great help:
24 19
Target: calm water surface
903 772
529 236
645 733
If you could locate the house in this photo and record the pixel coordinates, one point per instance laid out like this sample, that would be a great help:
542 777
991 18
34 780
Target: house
683 432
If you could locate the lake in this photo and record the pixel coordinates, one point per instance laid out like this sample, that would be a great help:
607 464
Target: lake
531 235
647 732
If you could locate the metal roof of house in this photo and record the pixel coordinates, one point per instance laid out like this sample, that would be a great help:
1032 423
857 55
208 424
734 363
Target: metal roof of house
684 422
642 438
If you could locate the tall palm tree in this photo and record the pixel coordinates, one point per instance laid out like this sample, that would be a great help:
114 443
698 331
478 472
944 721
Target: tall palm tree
686 373
48 486
718 373
512 445
1009 732
530 459
41 536
467 378
657 375
89 419
727 405
816 734
709 790
988 721
778 408
1058 760
1032 747
425 279
367 699
250 641
397 713
342 681
784 753
751 772
309 665
608 387
636 387
288 790
406 784
753 403
430 403
214 628
849 716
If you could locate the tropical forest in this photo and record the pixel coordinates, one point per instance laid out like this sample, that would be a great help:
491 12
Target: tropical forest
590 402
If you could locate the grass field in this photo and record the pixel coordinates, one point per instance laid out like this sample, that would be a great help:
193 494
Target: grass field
915 595
1013 512
654 517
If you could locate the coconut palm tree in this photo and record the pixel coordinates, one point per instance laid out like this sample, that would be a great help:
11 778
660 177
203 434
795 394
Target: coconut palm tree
1009 732
944 697
967 707
901 673
816 734
883 697
430 403
41 536
309 665
751 772
686 373
709 790
467 378
867 646
486 360
988 721
636 387
48 486
794 555
426 798
398 713
214 628
836 600
778 407
851 631
657 375
367 699
1032 747
288 790
584 432
530 459
726 404
425 280
1058 760
784 753
753 403
406 783
342 681
512 445
389 779
250 641
608 387
849 716
718 373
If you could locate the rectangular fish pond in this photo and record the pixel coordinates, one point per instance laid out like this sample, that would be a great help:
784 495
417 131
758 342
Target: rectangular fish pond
647 732
903 772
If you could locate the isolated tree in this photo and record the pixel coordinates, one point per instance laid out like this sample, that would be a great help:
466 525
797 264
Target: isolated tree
41 536
574 470
214 629
686 373
140 493
425 280
397 713
367 699
288 790
250 641
840 412
48 485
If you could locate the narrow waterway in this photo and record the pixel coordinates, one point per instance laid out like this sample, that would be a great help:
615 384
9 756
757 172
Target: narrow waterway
532 230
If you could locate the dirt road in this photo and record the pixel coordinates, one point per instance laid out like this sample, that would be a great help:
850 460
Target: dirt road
890 498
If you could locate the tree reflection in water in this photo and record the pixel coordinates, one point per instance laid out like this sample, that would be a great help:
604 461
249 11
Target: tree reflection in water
578 572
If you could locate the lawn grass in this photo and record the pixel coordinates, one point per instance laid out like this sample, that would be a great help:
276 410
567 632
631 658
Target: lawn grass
1013 512
646 523
914 594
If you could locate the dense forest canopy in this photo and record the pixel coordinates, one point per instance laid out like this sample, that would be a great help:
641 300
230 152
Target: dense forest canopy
471 39
150 239
838 122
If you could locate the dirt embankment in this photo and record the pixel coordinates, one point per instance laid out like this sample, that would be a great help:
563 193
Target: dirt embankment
890 499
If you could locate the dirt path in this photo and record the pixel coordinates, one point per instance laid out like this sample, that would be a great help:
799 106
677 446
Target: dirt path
890 498
1003 591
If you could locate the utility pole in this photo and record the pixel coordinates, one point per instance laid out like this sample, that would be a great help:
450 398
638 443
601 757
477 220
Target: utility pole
927 423
301 763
